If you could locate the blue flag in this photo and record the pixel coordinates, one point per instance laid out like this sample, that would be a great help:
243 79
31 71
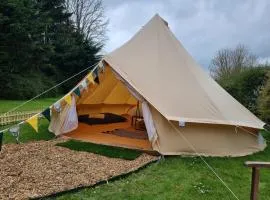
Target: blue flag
96 72
47 113
77 92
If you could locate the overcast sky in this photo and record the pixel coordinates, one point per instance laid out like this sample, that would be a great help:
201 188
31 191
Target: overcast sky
202 26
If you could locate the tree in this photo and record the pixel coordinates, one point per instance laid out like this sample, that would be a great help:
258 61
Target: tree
229 61
245 86
264 101
89 18
22 52
40 47
72 56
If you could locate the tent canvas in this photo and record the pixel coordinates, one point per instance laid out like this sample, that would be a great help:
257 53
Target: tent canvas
154 68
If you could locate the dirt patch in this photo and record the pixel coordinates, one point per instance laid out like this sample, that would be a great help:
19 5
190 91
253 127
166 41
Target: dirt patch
38 169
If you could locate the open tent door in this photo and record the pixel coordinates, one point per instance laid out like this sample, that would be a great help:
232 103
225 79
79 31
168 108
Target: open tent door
112 113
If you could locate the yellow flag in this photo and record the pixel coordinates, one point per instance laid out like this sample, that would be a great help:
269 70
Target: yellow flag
90 78
33 121
68 99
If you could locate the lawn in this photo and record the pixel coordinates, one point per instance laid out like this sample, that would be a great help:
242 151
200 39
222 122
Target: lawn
6 105
183 178
174 177
27 133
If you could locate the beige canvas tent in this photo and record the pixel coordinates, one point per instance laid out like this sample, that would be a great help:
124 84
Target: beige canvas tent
153 79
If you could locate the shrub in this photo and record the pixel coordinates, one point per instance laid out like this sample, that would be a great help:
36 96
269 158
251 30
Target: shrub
27 86
245 86
264 101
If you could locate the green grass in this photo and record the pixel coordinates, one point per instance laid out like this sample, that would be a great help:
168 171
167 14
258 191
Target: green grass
173 178
6 105
109 151
27 133
183 178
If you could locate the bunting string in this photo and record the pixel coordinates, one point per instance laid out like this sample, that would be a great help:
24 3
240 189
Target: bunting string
55 86
33 121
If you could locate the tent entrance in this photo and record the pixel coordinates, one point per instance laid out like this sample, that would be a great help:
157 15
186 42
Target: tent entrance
121 134
110 113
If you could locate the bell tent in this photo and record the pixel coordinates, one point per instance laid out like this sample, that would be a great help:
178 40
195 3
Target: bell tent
150 94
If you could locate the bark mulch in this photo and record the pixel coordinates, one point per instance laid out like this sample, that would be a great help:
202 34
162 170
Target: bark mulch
39 169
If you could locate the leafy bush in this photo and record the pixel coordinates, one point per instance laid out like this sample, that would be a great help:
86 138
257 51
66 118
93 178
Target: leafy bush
245 86
26 86
264 101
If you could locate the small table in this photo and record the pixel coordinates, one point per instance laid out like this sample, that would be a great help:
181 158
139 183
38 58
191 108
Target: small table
135 119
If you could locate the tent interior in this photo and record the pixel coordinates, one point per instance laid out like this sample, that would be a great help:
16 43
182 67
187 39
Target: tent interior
109 114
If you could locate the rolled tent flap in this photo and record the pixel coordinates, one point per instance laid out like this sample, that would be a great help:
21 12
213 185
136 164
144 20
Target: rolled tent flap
66 120
71 122
148 120
147 115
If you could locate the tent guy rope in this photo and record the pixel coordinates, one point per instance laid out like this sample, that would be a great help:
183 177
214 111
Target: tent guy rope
95 65
55 86
209 167
240 127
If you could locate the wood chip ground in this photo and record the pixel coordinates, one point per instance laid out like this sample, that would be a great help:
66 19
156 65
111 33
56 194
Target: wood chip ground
39 169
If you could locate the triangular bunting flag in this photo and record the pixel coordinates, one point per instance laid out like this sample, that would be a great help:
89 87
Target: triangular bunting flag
15 131
57 106
90 78
1 140
77 92
84 84
101 66
96 72
47 113
68 99
97 80
33 121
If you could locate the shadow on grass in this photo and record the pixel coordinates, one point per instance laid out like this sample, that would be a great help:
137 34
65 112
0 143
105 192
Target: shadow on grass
109 151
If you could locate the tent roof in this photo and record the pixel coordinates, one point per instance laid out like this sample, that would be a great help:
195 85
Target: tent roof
156 64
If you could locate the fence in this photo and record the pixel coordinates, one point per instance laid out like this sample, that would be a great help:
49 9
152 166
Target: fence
13 117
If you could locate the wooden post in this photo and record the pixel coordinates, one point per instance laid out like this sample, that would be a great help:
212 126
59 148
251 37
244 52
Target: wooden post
256 176
255 183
